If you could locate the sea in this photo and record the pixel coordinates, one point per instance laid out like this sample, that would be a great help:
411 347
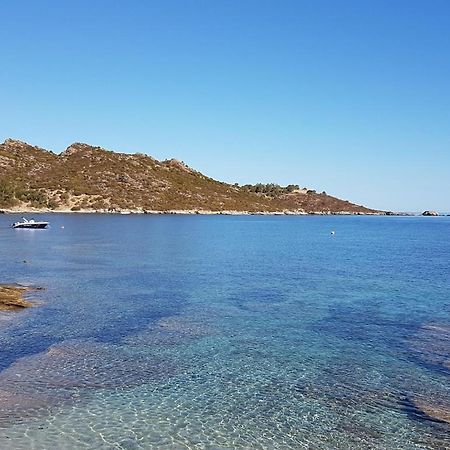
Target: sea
227 332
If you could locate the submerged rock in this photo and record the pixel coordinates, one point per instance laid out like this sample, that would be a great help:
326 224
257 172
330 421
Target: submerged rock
86 364
173 330
439 412
68 372
431 344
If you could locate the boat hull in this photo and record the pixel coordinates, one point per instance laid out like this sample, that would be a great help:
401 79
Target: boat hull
34 226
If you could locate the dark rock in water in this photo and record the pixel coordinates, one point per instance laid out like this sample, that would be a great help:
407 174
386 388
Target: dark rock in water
430 213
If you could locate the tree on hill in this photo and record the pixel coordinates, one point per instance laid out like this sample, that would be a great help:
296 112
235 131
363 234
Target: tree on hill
270 189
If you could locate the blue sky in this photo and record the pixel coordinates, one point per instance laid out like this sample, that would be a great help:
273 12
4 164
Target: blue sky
351 97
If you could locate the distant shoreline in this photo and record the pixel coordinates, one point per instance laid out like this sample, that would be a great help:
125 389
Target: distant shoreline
197 212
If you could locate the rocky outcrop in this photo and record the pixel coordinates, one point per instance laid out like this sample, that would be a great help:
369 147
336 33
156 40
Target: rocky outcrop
430 213
11 297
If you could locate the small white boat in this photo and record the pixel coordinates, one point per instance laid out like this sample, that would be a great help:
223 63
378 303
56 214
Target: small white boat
30 224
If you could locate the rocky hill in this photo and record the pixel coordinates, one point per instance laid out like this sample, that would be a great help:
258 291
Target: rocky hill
90 178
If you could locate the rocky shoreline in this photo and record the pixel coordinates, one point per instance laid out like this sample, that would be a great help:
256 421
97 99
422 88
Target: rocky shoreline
196 212
207 212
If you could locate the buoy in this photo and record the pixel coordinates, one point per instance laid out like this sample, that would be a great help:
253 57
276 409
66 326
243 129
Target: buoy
62 226
333 232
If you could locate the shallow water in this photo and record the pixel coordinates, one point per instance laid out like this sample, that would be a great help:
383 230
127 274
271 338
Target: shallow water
227 332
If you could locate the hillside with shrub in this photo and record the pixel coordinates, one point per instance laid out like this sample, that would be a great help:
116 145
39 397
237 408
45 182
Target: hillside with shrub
88 178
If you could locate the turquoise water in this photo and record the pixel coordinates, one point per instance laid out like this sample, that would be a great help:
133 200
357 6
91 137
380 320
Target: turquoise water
186 332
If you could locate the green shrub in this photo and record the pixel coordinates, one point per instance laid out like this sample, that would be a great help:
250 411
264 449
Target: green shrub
7 193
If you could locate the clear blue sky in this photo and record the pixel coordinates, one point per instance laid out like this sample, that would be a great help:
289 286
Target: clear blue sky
351 97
